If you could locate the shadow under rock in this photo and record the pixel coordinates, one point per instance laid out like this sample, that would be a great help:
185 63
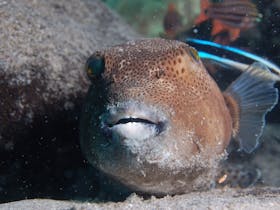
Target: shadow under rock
47 162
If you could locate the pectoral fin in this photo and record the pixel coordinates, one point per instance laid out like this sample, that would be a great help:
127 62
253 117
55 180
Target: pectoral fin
249 98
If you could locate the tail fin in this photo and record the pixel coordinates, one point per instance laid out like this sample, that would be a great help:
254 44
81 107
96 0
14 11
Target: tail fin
249 98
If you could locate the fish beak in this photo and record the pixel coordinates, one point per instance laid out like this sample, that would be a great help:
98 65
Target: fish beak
132 121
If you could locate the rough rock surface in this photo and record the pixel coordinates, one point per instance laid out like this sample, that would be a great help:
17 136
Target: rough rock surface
256 198
43 48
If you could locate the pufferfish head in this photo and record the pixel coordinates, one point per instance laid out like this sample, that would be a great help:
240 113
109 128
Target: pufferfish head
146 121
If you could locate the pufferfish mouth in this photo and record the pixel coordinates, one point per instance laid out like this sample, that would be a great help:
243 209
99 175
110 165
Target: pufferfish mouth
132 121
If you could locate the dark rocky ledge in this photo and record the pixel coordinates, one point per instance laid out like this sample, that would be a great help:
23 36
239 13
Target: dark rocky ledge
43 48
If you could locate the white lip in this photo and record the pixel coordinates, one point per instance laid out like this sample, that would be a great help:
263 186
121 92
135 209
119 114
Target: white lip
135 130
132 110
133 120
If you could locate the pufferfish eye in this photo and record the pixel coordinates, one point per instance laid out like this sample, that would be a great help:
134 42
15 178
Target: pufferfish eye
95 65
194 54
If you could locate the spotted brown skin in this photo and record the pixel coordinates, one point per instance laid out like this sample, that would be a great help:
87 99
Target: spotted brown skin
165 80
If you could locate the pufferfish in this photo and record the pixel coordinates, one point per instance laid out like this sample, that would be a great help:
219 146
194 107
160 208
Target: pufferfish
155 121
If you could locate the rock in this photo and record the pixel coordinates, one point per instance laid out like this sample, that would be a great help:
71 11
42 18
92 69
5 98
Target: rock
267 157
255 198
43 48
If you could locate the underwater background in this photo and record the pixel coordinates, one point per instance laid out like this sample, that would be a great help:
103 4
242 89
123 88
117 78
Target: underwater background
147 18
47 162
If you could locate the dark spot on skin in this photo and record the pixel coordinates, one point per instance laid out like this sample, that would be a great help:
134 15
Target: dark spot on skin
160 73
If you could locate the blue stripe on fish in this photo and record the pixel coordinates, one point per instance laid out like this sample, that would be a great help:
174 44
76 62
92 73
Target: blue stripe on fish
237 51
225 61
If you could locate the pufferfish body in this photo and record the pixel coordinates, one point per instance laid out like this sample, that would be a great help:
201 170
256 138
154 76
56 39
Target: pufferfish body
155 120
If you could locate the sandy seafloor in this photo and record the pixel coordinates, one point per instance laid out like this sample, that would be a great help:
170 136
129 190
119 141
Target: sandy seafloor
214 199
